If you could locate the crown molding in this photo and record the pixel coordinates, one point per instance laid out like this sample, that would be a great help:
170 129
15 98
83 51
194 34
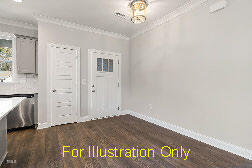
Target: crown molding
18 24
61 22
170 16
42 18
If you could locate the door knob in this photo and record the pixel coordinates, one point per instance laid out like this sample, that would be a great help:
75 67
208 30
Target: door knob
54 90
93 91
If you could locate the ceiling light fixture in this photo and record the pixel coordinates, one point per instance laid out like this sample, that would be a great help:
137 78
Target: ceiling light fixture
138 8
18 0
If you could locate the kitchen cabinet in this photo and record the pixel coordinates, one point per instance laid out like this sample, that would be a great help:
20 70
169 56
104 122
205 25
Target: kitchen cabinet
26 55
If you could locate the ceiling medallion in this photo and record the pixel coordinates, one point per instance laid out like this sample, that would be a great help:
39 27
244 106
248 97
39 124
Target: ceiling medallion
138 8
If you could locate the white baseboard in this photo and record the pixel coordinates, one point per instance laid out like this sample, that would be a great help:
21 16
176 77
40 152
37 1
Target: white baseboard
43 125
2 159
84 119
199 137
90 117
124 112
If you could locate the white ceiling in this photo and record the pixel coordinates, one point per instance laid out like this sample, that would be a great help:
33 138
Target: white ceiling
94 13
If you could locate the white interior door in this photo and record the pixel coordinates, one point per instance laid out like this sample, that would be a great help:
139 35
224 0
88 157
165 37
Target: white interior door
64 94
105 89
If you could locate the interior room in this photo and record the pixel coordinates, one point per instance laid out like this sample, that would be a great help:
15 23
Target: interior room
126 83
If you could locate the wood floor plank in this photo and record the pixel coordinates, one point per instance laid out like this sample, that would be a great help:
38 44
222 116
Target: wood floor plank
43 148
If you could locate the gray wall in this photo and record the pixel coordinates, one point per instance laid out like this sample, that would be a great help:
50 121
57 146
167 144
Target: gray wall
51 33
196 72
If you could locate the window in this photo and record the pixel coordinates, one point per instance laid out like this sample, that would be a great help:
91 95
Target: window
110 65
5 59
105 65
99 64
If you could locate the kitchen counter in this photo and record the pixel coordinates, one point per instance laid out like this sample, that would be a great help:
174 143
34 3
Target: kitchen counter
6 105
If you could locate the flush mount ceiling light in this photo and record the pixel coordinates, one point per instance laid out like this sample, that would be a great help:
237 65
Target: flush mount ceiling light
138 8
18 0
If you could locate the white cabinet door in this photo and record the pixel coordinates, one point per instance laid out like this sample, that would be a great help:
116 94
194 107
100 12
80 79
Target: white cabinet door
25 55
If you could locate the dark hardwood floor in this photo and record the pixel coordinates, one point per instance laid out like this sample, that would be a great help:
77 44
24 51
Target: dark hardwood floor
43 148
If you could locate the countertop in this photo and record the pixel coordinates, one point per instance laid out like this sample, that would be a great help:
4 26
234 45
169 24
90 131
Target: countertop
8 104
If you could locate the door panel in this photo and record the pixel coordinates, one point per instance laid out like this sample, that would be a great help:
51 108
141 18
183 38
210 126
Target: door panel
64 83
105 89
26 55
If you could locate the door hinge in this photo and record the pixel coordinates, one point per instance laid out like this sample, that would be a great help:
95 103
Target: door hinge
118 108
118 62
118 84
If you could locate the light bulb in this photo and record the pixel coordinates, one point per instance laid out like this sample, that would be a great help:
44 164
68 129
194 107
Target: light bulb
18 1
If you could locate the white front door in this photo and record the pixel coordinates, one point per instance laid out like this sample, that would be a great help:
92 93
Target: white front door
63 83
104 89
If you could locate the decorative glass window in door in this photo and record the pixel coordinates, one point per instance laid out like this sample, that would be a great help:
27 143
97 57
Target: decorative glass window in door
105 65
110 65
99 64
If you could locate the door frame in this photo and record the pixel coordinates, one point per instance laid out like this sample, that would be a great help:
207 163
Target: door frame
90 68
49 67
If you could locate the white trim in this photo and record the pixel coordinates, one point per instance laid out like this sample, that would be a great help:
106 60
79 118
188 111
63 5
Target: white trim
77 26
48 84
246 153
81 120
125 112
43 125
103 51
78 82
18 24
170 16
49 65
90 51
84 119
7 36
118 55
90 118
